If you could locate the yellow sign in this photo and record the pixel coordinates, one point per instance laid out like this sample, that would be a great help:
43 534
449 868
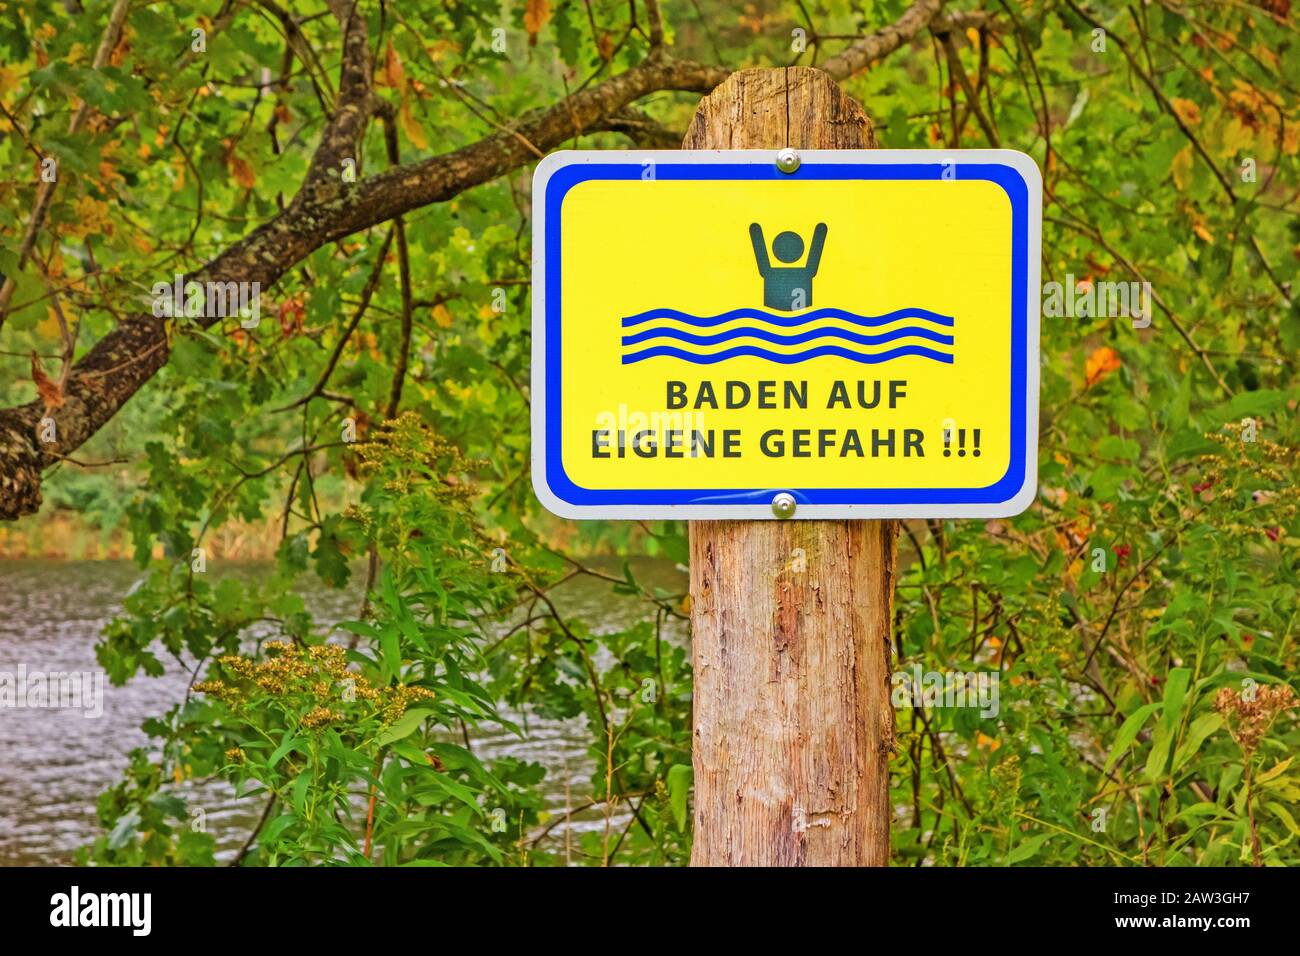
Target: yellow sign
856 339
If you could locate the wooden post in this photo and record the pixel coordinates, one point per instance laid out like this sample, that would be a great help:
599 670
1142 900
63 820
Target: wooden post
793 724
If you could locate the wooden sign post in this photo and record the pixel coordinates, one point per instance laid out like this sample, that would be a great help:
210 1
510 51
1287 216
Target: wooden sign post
790 619
768 334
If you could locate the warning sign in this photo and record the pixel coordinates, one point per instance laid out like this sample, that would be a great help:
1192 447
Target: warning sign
858 336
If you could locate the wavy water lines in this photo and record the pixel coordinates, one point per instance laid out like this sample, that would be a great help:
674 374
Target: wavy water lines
918 332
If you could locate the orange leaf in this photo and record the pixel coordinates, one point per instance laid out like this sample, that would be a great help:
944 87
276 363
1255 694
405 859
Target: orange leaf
49 390
1101 363
536 15
441 316
1188 111
394 72
241 171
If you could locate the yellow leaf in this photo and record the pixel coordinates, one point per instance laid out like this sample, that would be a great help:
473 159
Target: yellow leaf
90 217
441 316
1181 168
438 49
8 79
536 15
1200 230
1291 140
412 128
48 327
1237 138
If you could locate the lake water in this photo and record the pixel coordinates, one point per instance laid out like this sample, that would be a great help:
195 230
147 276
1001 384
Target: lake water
55 762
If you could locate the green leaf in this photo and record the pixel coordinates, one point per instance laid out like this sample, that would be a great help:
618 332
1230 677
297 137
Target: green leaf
1128 732
1163 739
286 745
1201 728
403 726
1027 848
680 777
123 830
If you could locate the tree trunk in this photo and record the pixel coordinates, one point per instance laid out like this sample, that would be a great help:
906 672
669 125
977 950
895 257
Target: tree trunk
790 619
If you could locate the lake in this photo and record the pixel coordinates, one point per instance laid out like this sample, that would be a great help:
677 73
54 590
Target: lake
55 762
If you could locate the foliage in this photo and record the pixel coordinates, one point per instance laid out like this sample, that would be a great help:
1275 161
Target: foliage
1155 573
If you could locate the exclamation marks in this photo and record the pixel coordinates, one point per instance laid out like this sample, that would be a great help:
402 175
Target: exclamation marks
960 434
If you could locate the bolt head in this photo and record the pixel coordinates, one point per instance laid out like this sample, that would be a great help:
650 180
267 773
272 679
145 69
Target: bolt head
787 160
783 505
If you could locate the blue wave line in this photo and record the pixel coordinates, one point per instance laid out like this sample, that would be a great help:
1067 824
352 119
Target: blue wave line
788 321
669 351
796 339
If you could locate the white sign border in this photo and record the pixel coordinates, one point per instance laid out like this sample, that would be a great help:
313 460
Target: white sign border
1021 162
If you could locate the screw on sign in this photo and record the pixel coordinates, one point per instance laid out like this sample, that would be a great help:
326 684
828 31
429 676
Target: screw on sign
782 354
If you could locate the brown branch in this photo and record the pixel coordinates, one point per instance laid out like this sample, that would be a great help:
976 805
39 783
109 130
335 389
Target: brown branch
353 108
641 129
656 27
884 41
367 293
972 95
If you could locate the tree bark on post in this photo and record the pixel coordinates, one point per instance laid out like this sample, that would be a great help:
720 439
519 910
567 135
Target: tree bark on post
793 725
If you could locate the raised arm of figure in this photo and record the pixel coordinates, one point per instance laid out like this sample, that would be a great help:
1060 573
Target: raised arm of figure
815 252
760 248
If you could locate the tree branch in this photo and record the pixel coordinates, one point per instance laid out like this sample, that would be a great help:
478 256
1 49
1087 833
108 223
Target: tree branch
883 42
126 358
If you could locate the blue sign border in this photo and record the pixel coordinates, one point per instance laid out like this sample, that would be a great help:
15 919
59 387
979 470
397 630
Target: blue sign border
1005 176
